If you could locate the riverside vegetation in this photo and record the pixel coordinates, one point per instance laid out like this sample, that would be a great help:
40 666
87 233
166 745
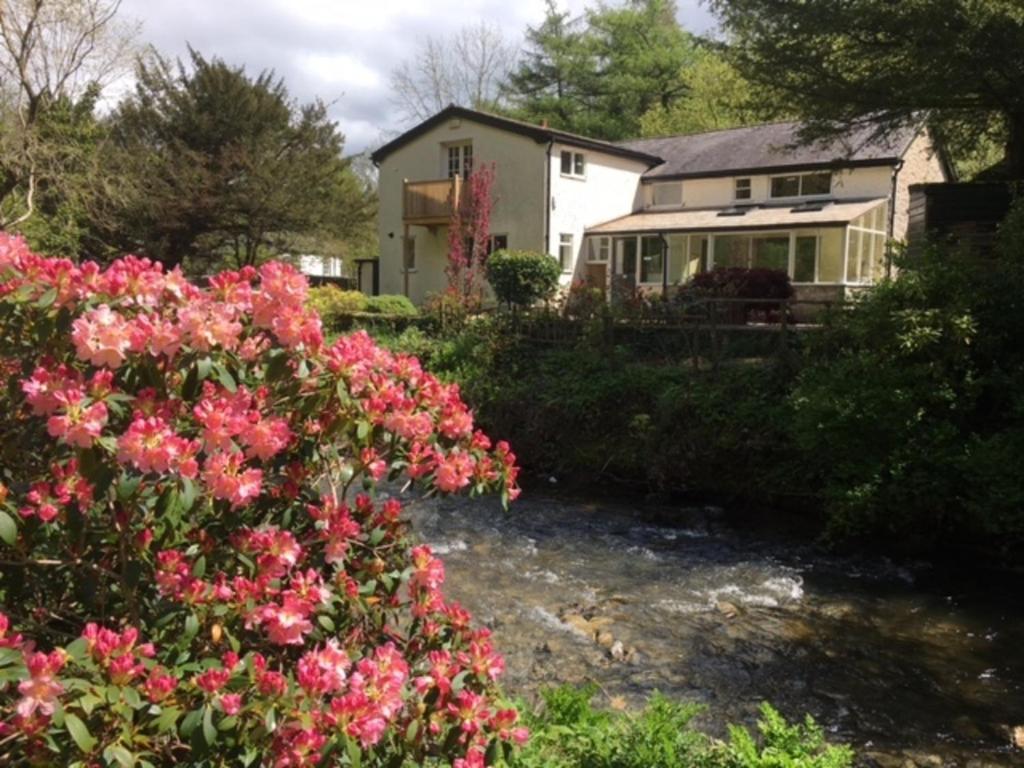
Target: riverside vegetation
899 424
198 567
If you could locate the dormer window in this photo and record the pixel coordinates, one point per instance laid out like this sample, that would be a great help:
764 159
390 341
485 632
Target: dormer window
574 164
667 194
743 190
802 185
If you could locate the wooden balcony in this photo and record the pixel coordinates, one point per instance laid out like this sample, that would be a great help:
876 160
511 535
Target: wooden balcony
430 203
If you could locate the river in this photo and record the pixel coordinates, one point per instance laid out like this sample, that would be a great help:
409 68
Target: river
902 662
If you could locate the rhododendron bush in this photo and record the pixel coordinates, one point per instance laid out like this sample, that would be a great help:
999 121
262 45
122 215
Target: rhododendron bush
198 566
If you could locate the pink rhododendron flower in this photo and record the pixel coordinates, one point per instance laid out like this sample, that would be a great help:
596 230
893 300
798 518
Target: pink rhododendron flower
102 337
39 693
150 445
226 478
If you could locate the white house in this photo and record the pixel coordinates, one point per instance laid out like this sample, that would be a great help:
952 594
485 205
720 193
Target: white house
651 213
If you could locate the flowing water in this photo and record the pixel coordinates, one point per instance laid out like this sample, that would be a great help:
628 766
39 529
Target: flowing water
889 659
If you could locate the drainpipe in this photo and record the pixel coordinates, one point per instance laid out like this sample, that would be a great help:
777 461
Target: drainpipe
892 216
547 199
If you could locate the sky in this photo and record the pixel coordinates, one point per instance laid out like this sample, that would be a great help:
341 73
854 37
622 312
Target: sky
341 51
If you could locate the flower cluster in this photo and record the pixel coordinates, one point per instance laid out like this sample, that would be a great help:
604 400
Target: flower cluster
206 474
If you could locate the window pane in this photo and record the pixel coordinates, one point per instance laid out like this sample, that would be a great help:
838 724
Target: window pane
878 267
409 253
742 189
597 249
578 166
771 253
467 159
786 186
866 256
806 250
498 243
454 166
676 259
853 255
625 256
732 250
697 258
830 260
565 252
567 163
668 194
652 260
816 184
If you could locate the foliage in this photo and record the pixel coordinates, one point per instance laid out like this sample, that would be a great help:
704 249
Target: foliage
743 283
885 64
569 732
391 304
332 303
469 235
522 278
189 575
717 97
52 54
910 409
233 169
598 75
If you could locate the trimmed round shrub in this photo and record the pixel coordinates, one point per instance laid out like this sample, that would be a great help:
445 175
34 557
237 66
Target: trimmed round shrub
196 565
391 304
522 278
333 304
743 283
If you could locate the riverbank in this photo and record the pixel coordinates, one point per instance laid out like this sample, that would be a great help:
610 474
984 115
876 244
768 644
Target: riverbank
898 661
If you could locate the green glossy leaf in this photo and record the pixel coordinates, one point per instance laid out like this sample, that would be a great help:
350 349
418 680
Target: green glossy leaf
167 719
8 528
326 622
191 626
191 722
79 732
115 753
209 730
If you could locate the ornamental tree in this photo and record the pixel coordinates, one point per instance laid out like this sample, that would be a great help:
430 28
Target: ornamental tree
196 562
469 236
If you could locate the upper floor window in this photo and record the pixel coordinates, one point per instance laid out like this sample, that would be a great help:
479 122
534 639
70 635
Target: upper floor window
667 194
743 190
460 160
802 184
574 164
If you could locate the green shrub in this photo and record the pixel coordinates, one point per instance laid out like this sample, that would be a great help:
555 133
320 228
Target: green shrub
522 278
569 732
391 304
333 304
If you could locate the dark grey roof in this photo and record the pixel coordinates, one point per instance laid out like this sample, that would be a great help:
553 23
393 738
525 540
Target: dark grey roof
538 133
762 148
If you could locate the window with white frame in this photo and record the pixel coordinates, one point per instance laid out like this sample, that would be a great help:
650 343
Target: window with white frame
743 189
652 259
460 159
802 184
574 164
565 251
667 194
599 250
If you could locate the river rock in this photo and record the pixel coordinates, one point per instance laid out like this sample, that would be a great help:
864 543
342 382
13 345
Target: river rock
605 639
885 760
925 760
1017 737
617 651
727 609
580 624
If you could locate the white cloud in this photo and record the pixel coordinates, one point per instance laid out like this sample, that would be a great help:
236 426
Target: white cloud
341 51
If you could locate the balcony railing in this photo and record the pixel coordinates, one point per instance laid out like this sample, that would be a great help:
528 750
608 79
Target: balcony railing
430 202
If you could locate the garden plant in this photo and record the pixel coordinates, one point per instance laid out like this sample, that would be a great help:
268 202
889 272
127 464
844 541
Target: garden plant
198 564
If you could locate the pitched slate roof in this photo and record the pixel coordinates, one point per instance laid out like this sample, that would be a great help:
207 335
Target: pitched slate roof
766 148
735 218
538 133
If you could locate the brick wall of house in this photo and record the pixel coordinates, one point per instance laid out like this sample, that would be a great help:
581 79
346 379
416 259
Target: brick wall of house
921 165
